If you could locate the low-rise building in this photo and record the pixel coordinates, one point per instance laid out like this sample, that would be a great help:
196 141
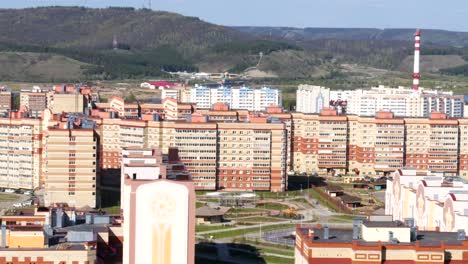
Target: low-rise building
378 242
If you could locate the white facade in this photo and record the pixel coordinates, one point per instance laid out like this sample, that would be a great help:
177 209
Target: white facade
401 101
311 98
170 93
236 98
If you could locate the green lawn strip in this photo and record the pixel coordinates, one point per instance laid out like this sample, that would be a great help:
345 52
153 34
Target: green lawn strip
203 228
285 252
8 197
265 244
300 200
240 232
314 194
278 195
272 206
245 210
342 218
112 209
199 204
262 219
277 260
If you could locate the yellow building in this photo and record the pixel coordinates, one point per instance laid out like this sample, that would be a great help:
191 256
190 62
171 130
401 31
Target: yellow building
70 175
67 102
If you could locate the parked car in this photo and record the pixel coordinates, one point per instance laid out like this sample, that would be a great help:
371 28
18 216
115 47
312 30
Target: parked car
26 203
28 192
9 190
17 205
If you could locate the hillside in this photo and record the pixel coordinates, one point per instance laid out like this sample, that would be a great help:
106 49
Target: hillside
39 67
437 37
95 28
78 43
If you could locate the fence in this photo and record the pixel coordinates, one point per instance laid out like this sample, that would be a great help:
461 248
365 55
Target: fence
341 207
280 237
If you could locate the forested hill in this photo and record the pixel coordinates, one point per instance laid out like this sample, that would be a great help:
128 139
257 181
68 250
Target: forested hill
434 36
46 43
95 28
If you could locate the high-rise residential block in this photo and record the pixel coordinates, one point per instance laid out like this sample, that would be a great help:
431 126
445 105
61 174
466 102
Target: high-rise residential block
236 98
402 101
70 174
312 98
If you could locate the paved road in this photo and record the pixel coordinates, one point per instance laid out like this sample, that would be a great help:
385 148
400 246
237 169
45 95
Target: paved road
380 195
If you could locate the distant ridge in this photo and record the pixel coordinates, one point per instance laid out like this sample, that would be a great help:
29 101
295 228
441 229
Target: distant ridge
435 36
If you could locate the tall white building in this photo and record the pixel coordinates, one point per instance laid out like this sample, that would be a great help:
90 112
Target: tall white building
312 98
236 98
401 101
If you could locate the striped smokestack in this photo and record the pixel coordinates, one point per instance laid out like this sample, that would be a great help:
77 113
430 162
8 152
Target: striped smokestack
417 47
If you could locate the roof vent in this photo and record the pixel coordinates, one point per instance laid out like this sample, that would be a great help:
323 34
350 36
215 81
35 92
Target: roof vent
461 234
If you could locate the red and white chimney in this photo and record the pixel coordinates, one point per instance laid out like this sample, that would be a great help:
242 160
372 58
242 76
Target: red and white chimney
417 47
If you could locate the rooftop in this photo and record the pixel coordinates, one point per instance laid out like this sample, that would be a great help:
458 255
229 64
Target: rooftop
425 238
207 211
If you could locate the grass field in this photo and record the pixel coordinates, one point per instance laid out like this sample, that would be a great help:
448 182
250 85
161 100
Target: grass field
277 260
240 232
342 218
272 206
8 197
112 209
203 228
323 201
262 219
27 66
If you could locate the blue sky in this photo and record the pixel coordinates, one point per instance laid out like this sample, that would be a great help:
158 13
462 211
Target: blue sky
436 14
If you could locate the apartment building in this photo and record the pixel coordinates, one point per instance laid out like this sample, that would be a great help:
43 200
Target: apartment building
402 101
251 156
432 144
319 143
169 109
376 145
207 148
68 103
312 99
236 98
70 174
36 100
21 149
6 101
